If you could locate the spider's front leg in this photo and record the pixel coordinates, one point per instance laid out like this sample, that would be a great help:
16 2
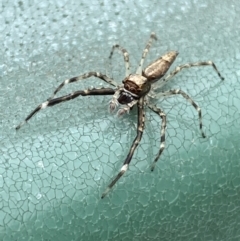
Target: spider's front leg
135 143
52 102
82 77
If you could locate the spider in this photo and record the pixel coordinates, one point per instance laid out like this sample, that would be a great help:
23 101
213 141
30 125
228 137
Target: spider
134 91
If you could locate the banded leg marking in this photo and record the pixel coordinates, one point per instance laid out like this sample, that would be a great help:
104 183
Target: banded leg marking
190 65
191 101
141 120
125 56
84 76
145 52
162 115
48 103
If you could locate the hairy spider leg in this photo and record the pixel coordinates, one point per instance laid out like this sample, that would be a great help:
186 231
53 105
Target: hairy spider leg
186 66
125 56
84 76
145 52
190 100
48 103
140 128
162 115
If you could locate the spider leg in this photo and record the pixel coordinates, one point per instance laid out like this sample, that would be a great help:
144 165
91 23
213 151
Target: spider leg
190 100
190 65
162 115
48 103
125 56
135 143
84 76
145 52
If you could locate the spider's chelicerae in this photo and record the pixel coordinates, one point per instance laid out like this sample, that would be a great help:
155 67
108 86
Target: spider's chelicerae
134 91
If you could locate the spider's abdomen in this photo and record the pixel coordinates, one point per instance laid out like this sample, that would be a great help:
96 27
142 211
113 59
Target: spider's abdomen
159 67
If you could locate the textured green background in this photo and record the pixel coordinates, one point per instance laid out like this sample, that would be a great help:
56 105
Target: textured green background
53 171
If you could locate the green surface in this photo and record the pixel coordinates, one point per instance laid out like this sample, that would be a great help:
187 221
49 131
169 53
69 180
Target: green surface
54 169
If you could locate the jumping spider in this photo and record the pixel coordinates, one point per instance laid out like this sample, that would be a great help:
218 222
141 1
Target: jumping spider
133 92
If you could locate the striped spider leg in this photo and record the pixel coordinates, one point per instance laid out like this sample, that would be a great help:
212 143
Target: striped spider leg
186 66
140 128
135 87
73 95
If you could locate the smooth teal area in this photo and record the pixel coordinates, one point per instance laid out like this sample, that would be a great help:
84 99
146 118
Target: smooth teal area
54 169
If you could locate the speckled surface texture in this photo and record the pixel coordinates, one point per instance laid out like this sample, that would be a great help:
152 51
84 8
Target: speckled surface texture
54 169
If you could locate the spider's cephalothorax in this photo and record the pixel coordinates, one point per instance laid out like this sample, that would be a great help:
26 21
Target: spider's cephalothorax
134 87
137 85
133 91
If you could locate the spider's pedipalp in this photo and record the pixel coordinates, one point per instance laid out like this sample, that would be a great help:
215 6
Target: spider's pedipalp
114 101
124 98
126 108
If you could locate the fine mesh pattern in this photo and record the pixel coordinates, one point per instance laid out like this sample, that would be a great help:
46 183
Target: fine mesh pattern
54 169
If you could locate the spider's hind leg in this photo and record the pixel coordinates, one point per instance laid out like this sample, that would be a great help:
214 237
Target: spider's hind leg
145 52
190 65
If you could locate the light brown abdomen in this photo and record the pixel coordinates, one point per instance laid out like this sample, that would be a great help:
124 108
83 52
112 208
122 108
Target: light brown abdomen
159 67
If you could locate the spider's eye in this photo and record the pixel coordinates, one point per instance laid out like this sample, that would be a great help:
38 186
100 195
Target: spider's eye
131 87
